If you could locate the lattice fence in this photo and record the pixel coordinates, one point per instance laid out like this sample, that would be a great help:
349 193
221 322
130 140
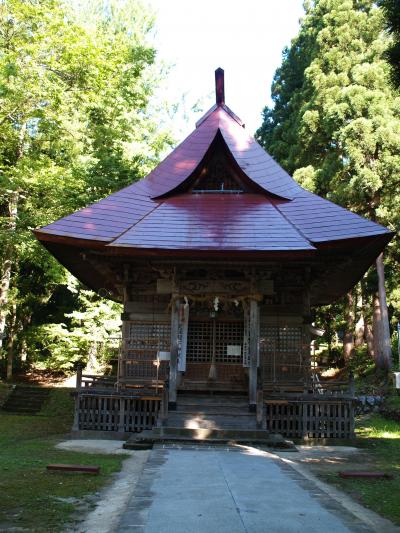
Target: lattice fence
117 413
315 418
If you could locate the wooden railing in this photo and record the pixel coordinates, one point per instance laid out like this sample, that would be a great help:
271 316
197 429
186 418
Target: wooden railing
116 412
310 409
99 406
311 384
311 417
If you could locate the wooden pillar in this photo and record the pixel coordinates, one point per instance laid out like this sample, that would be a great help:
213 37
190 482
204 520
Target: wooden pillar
173 364
306 343
254 347
121 421
124 330
75 425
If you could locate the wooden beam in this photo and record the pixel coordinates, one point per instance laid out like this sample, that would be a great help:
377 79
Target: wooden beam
85 469
254 346
173 364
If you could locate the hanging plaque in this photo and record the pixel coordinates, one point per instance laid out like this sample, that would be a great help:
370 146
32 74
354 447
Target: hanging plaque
234 349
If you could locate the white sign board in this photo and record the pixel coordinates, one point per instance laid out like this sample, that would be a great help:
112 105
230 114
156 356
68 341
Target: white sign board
234 349
164 356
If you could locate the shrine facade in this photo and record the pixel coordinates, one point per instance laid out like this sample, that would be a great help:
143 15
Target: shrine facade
219 258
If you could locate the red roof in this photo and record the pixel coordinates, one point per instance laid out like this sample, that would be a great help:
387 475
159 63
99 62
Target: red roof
132 216
163 213
214 222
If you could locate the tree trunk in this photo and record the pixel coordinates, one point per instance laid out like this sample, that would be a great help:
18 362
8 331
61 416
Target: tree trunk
8 258
369 339
10 344
360 325
368 318
377 330
348 339
383 349
7 265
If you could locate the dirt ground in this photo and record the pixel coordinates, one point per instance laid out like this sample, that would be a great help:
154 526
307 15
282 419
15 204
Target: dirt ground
322 460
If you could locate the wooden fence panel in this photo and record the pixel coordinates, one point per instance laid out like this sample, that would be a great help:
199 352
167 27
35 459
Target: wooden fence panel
333 418
101 412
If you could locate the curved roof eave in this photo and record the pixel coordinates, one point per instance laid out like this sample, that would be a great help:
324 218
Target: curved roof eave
251 158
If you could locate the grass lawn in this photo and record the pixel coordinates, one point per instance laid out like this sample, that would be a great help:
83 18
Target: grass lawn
31 497
4 389
380 438
393 401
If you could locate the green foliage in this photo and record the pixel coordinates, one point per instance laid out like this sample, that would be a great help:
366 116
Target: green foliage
391 9
91 335
76 123
361 364
335 123
341 114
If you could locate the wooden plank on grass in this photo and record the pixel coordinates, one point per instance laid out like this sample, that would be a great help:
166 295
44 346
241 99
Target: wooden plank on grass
362 474
87 469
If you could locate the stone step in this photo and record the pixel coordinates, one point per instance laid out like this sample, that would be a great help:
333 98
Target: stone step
146 439
32 400
213 409
212 398
26 400
215 421
20 409
31 390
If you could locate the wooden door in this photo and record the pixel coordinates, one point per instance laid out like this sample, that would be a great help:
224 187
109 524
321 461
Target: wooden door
219 341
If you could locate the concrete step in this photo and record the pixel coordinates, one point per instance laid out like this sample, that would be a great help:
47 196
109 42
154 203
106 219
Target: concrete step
217 433
147 439
212 399
214 421
228 410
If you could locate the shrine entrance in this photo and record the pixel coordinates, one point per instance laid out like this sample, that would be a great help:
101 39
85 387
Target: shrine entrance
215 355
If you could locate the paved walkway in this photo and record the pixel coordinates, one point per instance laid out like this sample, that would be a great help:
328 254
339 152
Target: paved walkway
215 490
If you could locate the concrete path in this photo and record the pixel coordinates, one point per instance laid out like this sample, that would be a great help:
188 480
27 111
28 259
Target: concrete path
216 490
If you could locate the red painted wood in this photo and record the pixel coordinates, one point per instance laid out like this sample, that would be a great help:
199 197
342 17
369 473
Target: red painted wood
219 87
276 216
88 469
361 474
214 221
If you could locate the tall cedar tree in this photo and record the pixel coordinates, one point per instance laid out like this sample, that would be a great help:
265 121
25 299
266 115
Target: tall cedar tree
335 121
391 9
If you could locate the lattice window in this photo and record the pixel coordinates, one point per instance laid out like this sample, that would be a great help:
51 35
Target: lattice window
228 335
281 351
217 177
149 336
144 340
281 339
201 342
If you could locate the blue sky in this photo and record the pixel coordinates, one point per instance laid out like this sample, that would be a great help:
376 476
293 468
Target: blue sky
245 38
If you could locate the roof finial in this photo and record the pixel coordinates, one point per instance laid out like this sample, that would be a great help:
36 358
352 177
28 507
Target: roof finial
219 87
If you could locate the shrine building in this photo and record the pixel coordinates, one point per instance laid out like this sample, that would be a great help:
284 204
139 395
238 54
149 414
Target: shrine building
218 257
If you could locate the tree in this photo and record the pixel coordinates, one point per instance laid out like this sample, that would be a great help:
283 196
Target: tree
75 125
338 123
391 9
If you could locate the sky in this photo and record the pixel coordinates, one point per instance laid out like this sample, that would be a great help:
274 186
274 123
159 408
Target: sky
245 38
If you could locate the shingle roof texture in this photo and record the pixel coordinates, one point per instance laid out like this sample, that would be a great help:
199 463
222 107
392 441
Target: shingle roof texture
280 215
